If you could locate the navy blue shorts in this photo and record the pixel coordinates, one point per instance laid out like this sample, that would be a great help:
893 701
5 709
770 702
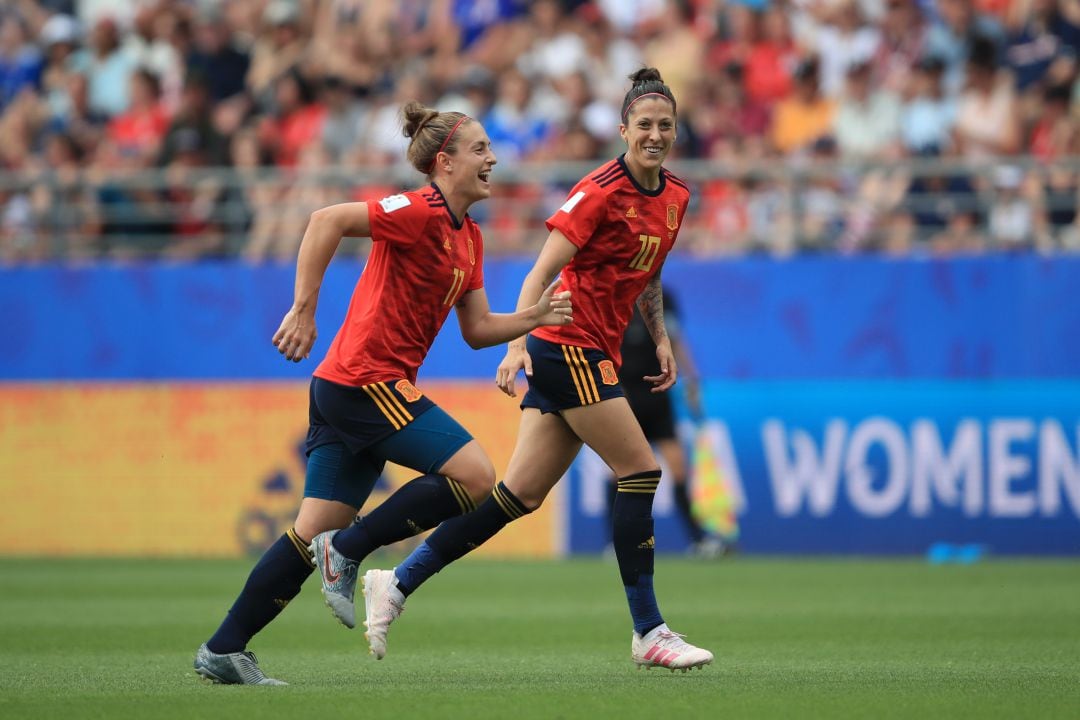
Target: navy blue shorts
355 431
567 376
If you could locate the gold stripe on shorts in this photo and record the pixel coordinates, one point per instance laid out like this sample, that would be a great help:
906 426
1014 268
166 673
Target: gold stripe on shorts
582 388
588 372
369 389
394 403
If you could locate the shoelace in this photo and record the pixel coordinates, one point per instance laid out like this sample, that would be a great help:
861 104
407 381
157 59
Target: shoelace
672 640
251 672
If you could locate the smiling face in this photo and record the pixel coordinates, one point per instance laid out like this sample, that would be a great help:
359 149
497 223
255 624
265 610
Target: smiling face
466 173
649 133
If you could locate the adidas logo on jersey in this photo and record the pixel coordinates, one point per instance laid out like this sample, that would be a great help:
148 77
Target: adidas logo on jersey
631 213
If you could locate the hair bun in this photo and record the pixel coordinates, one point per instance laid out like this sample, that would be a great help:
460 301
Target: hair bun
646 75
417 116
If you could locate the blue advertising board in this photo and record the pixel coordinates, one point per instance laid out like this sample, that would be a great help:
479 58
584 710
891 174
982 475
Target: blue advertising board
878 467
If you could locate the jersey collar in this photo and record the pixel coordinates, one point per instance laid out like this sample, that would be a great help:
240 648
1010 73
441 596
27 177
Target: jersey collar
644 191
457 223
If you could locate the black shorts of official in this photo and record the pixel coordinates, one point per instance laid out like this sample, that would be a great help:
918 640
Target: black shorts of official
653 411
567 376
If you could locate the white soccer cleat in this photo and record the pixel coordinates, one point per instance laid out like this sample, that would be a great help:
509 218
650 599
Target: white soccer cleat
661 647
338 574
383 603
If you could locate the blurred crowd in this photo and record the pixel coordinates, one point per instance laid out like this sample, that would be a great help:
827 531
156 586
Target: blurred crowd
899 126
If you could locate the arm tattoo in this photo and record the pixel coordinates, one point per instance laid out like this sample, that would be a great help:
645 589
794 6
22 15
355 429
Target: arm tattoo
651 305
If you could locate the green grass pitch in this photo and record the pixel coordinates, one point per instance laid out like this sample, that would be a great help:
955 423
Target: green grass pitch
793 639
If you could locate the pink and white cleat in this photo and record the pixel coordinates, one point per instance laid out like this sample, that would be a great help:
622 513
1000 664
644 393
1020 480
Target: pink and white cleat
661 647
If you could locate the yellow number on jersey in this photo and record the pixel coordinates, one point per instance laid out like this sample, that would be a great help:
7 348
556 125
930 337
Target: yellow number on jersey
650 247
455 287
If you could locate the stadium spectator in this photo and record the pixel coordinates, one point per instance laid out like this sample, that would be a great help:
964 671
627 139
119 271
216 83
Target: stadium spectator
867 121
1055 132
843 40
771 59
296 121
194 121
141 127
902 45
951 36
21 62
110 69
805 116
364 409
1011 219
987 115
927 115
512 124
216 57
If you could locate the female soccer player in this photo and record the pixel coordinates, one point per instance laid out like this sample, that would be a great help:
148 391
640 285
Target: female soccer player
364 410
608 243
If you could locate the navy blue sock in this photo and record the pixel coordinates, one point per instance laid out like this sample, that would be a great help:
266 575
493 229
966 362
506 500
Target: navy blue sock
422 563
635 545
418 505
459 536
274 581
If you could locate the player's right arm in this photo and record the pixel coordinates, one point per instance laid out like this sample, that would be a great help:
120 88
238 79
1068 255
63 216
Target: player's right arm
296 335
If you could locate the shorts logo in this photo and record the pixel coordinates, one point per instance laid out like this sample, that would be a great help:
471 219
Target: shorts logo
408 390
607 372
672 217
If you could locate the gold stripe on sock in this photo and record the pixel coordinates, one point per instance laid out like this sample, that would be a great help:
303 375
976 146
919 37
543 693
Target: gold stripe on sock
462 497
506 504
300 546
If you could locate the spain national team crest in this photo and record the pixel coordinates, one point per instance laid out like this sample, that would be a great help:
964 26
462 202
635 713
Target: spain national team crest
408 390
472 253
672 217
607 372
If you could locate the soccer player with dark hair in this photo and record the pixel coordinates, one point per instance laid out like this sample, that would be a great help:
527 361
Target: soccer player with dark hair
426 258
607 244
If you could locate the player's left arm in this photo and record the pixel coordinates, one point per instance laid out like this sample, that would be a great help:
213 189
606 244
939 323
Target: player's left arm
482 328
651 305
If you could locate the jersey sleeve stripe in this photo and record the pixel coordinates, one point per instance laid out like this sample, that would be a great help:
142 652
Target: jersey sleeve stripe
671 177
605 171
382 407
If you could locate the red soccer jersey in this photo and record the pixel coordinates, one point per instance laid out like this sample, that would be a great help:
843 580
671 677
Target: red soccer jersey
421 263
623 233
